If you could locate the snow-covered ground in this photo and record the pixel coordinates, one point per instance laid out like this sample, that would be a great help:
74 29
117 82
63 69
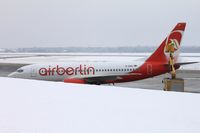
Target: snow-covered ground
29 106
30 58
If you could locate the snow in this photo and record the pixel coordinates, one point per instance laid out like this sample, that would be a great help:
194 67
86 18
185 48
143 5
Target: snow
30 106
191 58
31 58
71 57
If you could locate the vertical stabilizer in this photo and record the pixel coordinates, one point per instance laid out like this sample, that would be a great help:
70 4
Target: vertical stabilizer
161 55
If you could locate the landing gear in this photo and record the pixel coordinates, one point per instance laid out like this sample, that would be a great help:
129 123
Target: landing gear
98 83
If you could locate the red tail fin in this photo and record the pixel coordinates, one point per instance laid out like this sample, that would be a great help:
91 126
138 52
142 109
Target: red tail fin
174 37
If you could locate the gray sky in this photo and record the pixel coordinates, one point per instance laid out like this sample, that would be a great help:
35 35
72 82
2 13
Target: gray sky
52 23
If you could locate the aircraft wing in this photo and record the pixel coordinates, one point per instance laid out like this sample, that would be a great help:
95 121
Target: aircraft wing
97 79
182 63
185 63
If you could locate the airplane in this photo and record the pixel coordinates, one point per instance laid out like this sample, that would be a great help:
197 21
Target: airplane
105 73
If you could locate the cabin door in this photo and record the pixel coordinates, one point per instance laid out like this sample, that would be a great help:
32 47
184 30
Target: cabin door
33 72
149 69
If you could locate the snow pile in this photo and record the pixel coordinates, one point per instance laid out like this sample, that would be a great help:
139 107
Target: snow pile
50 107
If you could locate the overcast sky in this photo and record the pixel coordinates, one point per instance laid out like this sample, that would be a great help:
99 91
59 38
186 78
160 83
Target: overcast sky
52 23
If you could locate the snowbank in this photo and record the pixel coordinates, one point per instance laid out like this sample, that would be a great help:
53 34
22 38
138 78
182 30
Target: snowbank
29 106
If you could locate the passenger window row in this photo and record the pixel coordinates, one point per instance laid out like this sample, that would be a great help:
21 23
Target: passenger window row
114 70
104 70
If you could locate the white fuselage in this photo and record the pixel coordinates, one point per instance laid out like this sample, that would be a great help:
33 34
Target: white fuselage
61 71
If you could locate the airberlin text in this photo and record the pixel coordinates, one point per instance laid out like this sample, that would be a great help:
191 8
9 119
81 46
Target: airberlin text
58 70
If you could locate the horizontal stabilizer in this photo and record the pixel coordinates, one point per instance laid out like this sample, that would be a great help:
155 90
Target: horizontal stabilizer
182 63
185 63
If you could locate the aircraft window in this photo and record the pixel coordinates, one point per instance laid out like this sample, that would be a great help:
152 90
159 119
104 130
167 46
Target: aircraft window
99 70
20 70
105 70
111 70
135 65
108 70
124 69
102 70
116 69
96 70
